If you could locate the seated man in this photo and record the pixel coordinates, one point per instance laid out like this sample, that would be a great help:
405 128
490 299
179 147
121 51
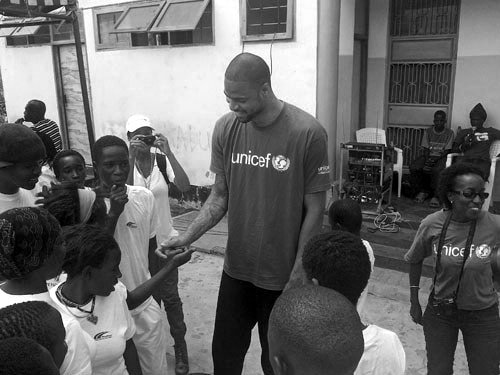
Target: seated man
338 260
475 142
34 112
424 170
315 331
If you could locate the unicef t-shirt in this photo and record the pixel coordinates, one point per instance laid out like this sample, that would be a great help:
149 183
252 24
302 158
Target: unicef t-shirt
268 171
476 290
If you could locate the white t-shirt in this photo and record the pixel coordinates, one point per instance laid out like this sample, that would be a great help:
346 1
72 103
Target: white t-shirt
136 225
383 354
23 198
157 184
80 345
114 327
362 299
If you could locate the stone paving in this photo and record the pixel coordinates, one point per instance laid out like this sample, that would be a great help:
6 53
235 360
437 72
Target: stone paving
387 305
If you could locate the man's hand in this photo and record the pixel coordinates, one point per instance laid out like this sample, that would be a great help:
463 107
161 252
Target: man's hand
137 146
49 195
162 143
118 198
297 278
171 244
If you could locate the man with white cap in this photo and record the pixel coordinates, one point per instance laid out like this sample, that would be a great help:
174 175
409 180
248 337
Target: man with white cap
156 171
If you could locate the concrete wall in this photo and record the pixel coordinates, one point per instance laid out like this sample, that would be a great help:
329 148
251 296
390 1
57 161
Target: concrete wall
27 74
346 50
477 76
377 63
181 88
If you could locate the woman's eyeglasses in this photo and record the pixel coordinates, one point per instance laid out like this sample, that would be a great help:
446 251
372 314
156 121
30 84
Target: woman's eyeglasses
468 194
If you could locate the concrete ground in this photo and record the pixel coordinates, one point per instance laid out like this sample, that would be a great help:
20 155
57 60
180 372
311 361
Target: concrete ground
387 305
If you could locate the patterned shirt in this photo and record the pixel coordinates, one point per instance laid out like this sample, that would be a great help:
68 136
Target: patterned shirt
50 128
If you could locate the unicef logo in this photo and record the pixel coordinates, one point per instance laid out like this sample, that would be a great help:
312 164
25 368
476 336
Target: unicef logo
281 163
483 251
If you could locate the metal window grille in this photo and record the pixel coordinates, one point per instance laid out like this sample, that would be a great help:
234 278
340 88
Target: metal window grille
266 16
424 17
420 83
409 139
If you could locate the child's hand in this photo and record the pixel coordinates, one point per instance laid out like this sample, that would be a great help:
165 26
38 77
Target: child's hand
177 257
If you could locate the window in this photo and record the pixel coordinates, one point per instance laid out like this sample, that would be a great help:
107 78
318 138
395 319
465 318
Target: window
199 27
154 23
105 23
266 19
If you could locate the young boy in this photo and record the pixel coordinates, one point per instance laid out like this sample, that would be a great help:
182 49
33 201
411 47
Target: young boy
22 155
132 208
345 214
315 331
338 260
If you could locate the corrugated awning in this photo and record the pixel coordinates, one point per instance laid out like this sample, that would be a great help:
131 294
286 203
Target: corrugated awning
34 3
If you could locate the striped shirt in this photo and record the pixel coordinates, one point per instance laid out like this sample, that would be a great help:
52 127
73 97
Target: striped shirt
50 128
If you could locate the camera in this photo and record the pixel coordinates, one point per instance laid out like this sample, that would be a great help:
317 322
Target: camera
148 139
444 306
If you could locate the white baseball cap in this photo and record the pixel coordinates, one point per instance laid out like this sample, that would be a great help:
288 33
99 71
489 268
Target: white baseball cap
136 122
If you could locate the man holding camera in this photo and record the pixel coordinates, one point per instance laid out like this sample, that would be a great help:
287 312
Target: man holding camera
157 172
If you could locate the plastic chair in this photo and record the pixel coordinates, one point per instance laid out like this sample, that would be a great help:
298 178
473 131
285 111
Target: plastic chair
376 135
488 186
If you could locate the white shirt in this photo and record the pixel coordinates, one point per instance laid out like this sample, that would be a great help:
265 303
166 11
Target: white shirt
383 354
136 225
114 327
23 198
157 184
80 346
362 299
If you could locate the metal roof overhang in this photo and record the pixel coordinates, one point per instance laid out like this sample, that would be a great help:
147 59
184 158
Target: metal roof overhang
42 8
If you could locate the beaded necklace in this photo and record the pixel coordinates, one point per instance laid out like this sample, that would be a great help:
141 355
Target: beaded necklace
70 304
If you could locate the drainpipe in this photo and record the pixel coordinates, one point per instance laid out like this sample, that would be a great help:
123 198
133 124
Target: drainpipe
328 74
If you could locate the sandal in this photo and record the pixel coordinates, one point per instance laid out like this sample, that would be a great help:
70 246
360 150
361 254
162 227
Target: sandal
434 203
421 197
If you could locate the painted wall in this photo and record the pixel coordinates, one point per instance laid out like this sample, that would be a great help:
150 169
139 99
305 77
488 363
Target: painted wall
28 74
181 88
477 76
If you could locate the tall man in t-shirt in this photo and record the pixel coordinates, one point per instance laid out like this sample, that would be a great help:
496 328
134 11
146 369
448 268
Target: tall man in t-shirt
271 166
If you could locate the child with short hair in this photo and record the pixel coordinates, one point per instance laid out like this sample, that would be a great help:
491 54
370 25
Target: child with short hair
346 215
338 260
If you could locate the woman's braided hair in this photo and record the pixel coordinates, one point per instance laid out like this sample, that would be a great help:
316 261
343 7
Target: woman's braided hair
86 245
28 237
22 356
29 320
